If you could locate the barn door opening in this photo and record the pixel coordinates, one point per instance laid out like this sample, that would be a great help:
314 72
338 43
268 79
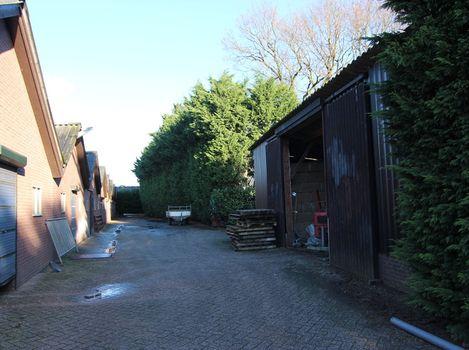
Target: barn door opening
308 205
7 225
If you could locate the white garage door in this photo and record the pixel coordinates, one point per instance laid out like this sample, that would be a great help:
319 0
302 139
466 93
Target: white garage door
7 225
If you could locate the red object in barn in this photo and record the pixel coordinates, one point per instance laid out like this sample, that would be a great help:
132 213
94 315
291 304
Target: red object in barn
319 221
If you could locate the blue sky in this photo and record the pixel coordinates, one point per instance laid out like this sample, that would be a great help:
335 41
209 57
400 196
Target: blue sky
119 65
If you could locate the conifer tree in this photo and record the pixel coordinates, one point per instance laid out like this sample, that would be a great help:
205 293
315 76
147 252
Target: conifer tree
427 97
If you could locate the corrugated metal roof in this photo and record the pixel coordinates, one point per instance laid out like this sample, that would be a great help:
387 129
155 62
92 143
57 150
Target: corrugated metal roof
67 135
359 66
93 162
91 156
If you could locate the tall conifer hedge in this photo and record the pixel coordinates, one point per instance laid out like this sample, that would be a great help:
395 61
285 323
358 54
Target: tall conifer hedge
200 155
428 100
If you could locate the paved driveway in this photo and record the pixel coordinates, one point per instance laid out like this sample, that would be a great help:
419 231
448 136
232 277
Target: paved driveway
172 287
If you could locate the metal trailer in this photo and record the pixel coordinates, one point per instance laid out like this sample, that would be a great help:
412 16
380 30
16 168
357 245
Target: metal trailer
179 214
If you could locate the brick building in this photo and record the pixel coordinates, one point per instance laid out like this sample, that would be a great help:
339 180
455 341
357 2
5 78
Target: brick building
30 158
44 171
75 179
107 194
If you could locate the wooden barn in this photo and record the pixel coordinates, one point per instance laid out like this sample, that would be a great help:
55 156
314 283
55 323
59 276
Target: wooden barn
326 162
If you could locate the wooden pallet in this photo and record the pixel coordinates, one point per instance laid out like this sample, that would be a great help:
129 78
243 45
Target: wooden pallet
252 229
255 247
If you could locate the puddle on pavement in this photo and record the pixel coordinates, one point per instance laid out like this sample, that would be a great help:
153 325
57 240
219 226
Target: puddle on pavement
108 292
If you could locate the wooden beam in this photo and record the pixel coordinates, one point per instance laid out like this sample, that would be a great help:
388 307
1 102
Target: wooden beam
314 136
302 158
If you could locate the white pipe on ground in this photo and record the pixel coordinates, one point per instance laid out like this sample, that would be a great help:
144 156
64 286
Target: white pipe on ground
428 337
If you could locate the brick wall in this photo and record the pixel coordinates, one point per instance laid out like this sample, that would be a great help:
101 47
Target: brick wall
107 209
71 179
393 273
19 131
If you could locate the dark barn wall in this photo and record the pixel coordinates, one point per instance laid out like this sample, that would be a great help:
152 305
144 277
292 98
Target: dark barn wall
260 175
275 185
392 272
360 185
386 183
349 182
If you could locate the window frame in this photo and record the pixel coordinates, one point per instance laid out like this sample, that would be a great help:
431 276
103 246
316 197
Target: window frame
37 201
63 202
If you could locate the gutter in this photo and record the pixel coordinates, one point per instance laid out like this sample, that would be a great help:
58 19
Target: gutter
30 51
10 8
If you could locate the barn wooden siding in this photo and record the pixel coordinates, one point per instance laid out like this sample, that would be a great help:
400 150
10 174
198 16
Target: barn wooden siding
349 182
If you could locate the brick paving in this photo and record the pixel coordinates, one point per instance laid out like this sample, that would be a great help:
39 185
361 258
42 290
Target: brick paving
171 287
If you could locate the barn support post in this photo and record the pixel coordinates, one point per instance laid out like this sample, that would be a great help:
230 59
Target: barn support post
289 234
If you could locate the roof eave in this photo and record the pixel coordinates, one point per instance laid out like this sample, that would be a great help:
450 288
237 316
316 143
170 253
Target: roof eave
28 59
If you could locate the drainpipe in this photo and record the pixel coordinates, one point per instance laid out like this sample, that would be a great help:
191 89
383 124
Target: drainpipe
428 337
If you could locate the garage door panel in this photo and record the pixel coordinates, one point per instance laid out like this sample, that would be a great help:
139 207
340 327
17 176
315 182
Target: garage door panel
7 268
7 243
7 194
7 219
7 224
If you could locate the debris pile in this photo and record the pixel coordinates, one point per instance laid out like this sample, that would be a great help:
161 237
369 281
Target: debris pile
252 229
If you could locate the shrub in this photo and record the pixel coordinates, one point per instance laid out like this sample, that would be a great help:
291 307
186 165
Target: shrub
128 200
224 201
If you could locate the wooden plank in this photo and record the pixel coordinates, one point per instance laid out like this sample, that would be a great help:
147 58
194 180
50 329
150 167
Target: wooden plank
236 229
256 241
252 237
256 248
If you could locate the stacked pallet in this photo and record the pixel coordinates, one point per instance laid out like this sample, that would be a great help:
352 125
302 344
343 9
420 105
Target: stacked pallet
252 229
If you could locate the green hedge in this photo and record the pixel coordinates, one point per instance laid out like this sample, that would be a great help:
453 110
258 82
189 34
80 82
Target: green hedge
128 200
200 155
428 114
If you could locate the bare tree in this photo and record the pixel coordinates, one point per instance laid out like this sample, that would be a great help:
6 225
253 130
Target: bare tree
309 48
262 42
368 18
325 33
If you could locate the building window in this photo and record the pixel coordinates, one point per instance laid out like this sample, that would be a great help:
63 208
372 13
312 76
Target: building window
37 201
63 201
